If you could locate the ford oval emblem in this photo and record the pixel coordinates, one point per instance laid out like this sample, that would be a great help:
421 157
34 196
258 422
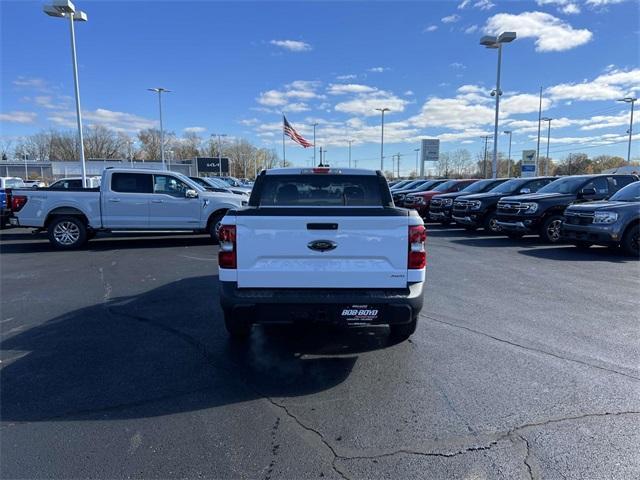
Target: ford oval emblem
322 245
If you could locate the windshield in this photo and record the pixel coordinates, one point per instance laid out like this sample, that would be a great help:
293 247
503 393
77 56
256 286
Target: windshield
509 186
477 187
14 183
630 193
443 187
563 185
401 184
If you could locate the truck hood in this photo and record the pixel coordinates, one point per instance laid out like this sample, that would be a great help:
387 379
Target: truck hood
448 195
427 194
603 205
483 196
536 197
222 196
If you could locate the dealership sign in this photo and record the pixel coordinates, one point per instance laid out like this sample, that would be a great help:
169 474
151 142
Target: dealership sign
212 165
528 167
430 149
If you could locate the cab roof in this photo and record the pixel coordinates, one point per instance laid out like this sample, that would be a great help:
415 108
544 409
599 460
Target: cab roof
319 171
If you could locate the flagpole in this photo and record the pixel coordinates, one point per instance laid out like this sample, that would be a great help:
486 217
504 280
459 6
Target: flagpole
284 153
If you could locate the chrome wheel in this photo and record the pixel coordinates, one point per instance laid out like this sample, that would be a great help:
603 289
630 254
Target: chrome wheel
553 230
493 225
66 233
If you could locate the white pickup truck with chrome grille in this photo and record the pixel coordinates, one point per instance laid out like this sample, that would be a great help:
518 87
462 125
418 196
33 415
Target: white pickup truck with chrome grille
322 245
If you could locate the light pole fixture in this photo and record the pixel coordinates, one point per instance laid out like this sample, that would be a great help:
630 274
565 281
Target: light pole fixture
160 91
509 132
382 110
630 100
496 43
66 9
219 135
349 142
548 120
417 150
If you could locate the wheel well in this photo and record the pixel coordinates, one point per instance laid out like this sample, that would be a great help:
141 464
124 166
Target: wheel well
222 211
632 224
65 211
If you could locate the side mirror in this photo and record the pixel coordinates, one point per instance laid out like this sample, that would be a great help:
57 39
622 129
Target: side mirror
525 190
190 193
586 192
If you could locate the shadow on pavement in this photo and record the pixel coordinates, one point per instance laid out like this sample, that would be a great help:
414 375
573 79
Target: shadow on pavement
34 243
571 253
164 352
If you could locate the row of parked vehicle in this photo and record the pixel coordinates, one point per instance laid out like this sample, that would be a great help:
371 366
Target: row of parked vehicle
583 210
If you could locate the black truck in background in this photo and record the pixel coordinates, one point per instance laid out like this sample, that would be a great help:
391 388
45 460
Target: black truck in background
479 210
615 222
542 213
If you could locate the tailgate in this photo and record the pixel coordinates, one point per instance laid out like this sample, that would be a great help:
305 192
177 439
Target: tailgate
322 252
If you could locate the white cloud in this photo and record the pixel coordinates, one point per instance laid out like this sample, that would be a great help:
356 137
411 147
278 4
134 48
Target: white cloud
550 33
249 121
522 103
451 18
568 7
18 116
484 4
297 107
31 83
118 121
471 29
611 85
366 104
430 28
458 65
299 90
602 3
350 76
378 69
409 92
195 130
291 45
340 89
464 4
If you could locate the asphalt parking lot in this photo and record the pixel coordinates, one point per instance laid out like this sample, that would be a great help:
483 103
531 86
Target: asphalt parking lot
115 363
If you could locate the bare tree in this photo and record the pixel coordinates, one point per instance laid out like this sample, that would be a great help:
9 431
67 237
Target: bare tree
104 143
150 143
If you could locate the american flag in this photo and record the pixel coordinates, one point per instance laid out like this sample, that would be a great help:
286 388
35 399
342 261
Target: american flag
290 132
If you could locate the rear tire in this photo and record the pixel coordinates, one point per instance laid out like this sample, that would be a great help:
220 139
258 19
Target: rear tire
631 241
67 233
214 225
400 333
551 229
237 328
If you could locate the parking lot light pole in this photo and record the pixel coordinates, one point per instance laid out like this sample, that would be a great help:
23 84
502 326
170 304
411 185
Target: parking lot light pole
314 144
417 150
219 135
496 43
548 120
382 110
509 132
66 9
630 100
160 91
350 142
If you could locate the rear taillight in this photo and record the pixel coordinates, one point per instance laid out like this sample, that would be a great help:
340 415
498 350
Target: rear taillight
227 239
17 202
417 252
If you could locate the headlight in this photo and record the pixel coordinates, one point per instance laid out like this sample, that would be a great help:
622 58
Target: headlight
529 207
419 200
447 202
605 217
475 204
401 196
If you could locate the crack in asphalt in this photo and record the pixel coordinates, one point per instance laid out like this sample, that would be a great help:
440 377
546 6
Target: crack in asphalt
532 349
527 455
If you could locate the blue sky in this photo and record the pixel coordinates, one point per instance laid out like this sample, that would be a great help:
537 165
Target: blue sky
234 66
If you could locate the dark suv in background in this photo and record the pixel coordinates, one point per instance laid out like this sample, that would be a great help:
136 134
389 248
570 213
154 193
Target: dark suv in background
399 196
613 222
542 213
421 200
479 210
441 205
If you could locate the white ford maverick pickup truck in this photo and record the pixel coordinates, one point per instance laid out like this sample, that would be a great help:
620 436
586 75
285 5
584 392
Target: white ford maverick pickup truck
127 199
321 245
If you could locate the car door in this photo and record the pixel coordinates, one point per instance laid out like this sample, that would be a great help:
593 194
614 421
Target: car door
125 204
170 208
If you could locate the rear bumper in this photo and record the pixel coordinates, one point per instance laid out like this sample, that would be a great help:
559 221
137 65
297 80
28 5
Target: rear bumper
264 305
604 234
